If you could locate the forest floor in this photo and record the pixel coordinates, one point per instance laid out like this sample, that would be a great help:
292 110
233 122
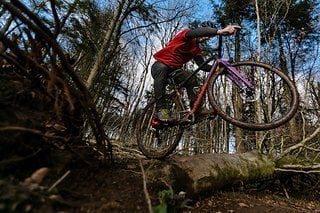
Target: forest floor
118 187
80 181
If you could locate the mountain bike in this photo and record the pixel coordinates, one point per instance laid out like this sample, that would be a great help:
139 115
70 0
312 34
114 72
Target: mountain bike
249 94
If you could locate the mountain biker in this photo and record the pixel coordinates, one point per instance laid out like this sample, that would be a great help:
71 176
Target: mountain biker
181 49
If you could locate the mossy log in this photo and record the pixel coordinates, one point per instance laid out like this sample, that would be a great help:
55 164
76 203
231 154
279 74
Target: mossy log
210 172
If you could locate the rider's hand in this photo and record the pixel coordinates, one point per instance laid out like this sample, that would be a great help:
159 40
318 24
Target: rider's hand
229 30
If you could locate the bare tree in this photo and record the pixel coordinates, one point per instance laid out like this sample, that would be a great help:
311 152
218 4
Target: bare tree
36 53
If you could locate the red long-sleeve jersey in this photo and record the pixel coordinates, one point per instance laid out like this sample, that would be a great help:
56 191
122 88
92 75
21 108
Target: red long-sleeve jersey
179 50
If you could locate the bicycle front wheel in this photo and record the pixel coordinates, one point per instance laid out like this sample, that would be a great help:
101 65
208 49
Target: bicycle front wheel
271 102
154 141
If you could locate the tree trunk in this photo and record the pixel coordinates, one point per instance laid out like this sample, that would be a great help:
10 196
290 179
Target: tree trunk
105 44
210 172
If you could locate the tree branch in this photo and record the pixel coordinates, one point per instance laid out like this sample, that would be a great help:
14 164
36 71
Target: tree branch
301 144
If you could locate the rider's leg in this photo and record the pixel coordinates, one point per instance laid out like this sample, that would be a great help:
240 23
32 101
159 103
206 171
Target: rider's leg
159 72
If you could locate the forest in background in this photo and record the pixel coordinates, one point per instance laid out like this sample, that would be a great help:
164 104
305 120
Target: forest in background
90 62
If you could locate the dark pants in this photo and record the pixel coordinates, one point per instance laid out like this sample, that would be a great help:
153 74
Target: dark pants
159 72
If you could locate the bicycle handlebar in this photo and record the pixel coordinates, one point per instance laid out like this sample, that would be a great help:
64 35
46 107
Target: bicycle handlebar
218 49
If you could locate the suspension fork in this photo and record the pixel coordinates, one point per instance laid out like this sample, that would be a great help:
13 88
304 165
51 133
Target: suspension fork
233 74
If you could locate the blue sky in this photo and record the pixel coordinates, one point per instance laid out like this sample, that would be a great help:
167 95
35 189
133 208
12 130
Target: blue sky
204 11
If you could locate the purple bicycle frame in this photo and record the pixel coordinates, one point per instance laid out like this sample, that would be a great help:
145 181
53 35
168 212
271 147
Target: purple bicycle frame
233 74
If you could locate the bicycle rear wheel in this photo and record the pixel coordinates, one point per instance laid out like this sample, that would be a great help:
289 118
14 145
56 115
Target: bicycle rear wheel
273 101
158 142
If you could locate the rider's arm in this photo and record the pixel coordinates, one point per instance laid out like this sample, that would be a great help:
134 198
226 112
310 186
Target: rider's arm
209 31
202 32
199 61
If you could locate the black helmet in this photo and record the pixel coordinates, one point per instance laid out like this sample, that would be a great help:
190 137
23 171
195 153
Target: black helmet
207 24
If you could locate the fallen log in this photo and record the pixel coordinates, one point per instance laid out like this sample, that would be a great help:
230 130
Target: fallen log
210 172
